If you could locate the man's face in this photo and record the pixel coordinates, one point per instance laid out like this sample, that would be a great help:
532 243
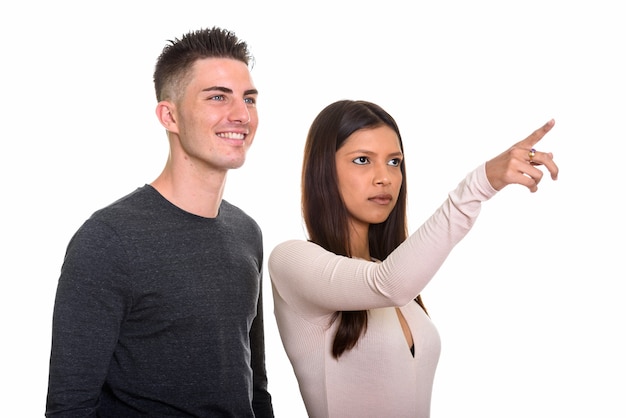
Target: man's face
216 119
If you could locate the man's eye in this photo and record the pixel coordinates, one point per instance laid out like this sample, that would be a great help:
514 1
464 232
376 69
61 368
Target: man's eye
217 98
395 162
250 100
361 160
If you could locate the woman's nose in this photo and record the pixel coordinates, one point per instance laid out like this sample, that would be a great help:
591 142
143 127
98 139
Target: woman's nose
382 177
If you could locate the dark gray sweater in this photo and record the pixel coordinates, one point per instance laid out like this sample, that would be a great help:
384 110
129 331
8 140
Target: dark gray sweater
159 313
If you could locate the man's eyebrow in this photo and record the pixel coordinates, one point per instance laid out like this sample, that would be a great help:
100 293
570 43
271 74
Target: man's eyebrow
218 88
227 90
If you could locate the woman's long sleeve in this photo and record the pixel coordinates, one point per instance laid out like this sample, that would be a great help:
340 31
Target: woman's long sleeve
317 281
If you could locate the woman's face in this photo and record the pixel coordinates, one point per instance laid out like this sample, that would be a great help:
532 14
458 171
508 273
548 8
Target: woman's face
368 170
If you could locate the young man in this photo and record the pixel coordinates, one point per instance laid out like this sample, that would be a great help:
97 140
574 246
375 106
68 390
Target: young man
159 308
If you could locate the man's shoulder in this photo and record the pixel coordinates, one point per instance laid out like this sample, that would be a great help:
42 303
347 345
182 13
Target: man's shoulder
136 205
231 210
135 199
234 215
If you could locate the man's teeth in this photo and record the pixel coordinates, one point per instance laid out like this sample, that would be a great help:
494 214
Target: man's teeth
231 135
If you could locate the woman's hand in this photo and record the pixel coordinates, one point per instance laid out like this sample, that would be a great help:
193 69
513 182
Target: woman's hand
518 164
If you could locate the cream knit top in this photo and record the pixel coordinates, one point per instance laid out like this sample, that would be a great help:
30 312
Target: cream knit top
379 378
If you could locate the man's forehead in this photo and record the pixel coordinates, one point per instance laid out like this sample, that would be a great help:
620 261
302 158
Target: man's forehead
223 73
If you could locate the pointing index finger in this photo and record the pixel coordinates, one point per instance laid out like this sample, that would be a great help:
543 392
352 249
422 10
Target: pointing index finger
536 136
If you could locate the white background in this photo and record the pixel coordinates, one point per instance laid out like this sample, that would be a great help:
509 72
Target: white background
529 305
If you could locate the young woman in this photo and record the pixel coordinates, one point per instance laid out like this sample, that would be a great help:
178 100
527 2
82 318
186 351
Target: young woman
347 300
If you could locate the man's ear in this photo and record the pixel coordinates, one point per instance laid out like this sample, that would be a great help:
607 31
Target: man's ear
166 112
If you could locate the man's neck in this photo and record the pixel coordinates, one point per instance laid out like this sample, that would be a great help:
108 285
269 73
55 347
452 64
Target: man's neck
201 196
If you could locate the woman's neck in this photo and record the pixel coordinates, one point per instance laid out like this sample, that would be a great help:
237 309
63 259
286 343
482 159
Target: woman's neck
359 243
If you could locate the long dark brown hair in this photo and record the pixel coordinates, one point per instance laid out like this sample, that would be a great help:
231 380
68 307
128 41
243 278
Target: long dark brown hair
325 215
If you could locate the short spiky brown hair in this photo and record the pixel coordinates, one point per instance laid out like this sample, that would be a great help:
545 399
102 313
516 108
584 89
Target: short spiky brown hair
176 61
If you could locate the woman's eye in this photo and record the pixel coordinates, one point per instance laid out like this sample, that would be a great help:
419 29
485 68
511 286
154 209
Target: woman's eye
361 160
395 162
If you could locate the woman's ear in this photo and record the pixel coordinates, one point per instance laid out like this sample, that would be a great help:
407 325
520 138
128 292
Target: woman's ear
165 112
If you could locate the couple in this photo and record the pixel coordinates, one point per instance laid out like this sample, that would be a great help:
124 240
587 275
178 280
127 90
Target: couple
159 308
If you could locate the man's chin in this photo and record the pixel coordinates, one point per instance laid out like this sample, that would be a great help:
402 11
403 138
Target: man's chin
236 164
